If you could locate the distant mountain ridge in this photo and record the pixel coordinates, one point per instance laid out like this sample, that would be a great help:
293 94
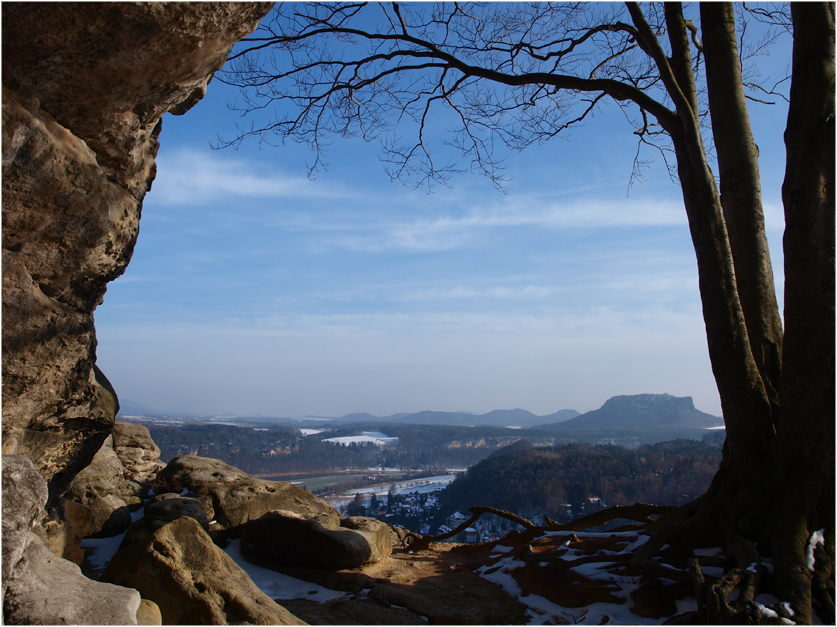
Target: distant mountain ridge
619 413
641 411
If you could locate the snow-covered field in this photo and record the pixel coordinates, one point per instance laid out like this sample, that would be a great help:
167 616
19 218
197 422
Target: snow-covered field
375 437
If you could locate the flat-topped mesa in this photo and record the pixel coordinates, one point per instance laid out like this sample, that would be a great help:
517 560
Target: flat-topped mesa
84 88
651 402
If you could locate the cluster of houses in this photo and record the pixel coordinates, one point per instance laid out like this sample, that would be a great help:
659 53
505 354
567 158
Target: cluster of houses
423 513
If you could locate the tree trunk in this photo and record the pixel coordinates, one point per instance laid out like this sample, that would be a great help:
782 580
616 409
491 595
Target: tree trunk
806 428
741 193
743 396
776 485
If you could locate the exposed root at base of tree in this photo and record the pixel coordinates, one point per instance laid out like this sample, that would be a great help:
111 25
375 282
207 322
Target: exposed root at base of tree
670 553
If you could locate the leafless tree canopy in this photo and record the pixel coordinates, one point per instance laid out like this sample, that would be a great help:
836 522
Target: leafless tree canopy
488 75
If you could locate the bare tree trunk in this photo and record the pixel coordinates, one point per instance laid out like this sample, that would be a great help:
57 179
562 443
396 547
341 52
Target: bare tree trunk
741 194
806 428
743 397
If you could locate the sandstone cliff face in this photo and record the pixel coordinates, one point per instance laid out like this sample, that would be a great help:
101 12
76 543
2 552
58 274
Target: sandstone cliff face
84 88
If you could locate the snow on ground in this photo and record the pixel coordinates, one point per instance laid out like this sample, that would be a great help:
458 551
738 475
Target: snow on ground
310 431
542 611
358 439
99 551
277 585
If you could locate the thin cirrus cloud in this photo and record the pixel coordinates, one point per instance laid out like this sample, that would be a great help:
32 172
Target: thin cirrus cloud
448 232
192 177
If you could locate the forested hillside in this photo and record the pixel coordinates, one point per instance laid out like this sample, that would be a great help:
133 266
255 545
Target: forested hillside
544 480
284 450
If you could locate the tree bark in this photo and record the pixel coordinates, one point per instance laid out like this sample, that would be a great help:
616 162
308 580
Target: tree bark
806 428
744 401
741 194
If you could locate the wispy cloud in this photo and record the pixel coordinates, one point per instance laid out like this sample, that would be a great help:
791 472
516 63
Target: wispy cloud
448 232
191 177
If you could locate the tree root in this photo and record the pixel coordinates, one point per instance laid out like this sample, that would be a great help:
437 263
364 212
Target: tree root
640 512
416 542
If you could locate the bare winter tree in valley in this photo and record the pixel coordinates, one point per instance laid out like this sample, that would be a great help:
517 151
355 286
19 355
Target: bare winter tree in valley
524 73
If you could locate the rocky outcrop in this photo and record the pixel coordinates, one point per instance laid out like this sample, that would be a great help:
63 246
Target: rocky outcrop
102 487
192 581
236 496
316 540
40 588
160 511
84 88
139 455
47 590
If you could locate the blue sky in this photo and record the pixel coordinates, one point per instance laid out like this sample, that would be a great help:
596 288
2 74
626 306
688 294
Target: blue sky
254 289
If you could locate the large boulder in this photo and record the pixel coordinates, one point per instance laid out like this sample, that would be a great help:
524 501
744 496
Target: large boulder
139 455
236 496
102 487
316 540
85 86
192 581
40 588
47 590
161 510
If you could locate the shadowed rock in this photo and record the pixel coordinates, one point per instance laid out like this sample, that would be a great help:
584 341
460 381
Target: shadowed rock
192 581
318 540
63 526
103 488
160 511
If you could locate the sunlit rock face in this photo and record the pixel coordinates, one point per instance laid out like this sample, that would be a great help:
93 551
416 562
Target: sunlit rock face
84 88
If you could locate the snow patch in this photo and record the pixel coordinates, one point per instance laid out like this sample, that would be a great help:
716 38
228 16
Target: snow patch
100 551
277 585
817 538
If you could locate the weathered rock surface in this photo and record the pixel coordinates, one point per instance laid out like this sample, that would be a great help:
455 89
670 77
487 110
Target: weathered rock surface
161 510
40 588
47 590
236 496
192 581
84 88
149 614
316 540
24 495
63 526
101 486
139 455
